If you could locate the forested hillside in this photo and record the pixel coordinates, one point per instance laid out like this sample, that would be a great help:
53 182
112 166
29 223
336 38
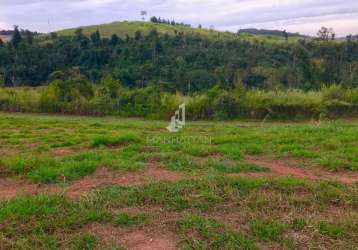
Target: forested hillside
180 60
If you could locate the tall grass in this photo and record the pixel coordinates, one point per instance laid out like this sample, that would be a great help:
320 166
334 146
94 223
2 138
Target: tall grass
330 101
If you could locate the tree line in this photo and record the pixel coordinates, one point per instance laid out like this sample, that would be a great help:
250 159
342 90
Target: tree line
183 62
155 19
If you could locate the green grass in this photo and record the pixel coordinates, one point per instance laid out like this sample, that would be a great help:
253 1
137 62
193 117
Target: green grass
331 230
43 222
130 220
332 145
214 235
241 167
129 28
208 209
115 141
268 230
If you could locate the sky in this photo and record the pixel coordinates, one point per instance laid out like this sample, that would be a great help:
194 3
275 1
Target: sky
304 16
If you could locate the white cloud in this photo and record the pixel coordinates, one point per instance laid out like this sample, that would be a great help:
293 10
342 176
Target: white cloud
4 26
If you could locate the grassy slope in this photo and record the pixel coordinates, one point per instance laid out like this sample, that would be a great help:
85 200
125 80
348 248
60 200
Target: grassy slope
129 28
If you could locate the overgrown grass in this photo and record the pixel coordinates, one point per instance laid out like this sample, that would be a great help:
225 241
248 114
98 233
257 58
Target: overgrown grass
330 102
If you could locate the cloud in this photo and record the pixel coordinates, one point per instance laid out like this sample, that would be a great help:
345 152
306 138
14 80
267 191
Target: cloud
305 16
4 25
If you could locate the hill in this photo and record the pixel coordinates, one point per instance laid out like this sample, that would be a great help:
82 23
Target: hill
129 28
185 60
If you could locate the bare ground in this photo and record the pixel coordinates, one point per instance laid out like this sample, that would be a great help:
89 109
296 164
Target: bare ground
281 168
62 151
102 177
134 239
105 177
10 188
154 172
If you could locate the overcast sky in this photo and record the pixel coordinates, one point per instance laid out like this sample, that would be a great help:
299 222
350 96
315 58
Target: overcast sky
304 16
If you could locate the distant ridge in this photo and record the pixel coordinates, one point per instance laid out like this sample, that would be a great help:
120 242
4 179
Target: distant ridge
254 31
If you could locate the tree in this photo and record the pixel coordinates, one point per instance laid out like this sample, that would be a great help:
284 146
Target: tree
16 37
79 34
143 13
114 40
2 80
138 35
326 34
111 86
29 37
285 35
54 35
96 38
154 19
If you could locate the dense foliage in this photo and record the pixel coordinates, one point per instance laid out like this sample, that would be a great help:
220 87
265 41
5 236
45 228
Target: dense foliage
185 62
75 94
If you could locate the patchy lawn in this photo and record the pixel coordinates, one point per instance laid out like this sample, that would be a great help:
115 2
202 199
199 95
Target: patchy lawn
104 183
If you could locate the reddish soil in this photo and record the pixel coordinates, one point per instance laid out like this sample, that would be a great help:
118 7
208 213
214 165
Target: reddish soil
158 173
135 239
140 240
62 151
10 188
280 168
7 151
104 176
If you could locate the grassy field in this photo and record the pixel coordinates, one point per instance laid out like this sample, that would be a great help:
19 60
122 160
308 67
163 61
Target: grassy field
110 183
129 28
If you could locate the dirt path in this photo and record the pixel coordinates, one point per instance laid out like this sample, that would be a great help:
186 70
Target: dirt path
280 168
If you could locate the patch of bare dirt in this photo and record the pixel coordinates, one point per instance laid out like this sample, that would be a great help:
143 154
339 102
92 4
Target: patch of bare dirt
10 188
8 151
105 177
62 151
140 240
137 239
280 168
102 177
156 172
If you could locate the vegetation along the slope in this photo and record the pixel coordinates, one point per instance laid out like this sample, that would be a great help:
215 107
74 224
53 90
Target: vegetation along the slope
179 58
